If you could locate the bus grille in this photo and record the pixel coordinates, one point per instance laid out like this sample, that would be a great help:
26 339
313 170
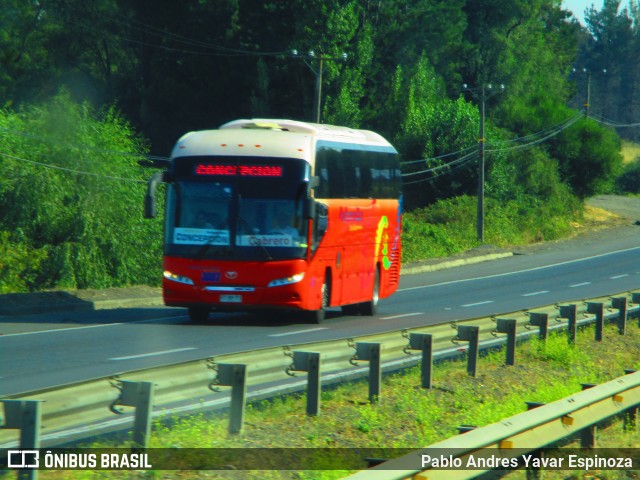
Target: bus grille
394 270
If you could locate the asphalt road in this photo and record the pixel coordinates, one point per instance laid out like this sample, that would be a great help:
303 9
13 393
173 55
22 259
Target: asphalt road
56 349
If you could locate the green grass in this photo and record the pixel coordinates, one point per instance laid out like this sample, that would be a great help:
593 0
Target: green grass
449 226
407 416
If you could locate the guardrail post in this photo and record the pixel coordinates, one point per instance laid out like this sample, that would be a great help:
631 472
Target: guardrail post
471 334
509 327
424 343
25 416
588 435
138 395
629 420
309 362
540 320
234 375
466 428
620 304
597 309
635 298
370 352
570 313
535 473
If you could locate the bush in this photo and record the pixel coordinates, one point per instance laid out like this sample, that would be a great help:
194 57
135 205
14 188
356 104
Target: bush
449 226
629 180
73 187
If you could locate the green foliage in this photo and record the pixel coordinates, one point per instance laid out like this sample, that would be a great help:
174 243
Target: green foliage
443 229
589 158
555 350
629 180
449 226
71 193
169 72
432 126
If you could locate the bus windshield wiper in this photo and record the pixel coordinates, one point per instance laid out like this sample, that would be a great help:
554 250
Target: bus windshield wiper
221 249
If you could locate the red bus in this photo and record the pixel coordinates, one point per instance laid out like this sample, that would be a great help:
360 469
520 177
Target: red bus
280 214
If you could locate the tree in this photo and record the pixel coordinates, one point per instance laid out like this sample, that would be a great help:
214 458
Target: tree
612 45
74 175
589 158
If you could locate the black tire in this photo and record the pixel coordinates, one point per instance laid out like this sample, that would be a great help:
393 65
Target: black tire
317 316
199 314
371 307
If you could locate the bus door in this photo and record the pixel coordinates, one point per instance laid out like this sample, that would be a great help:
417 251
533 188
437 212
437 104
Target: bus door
356 251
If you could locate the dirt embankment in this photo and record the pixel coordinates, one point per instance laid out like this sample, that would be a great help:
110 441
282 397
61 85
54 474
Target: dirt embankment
613 209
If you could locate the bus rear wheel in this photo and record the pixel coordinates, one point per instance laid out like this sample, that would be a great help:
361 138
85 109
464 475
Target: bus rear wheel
199 314
371 307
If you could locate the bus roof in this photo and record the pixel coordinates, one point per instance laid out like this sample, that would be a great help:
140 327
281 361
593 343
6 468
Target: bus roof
320 130
273 137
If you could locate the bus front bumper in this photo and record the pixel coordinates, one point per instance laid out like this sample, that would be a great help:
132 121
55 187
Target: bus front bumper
232 297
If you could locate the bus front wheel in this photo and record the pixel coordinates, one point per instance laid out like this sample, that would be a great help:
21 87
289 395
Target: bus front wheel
199 314
317 316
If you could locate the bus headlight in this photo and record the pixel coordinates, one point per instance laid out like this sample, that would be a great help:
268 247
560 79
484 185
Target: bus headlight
177 278
286 281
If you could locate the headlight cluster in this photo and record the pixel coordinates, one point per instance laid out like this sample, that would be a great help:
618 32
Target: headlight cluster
286 281
177 278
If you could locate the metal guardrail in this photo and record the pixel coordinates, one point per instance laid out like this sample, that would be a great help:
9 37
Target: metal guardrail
512 437
85 408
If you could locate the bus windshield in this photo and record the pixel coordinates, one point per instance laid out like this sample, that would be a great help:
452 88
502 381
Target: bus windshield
226 216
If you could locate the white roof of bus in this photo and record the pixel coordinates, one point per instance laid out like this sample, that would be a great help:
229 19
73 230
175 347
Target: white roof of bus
321 130
287 138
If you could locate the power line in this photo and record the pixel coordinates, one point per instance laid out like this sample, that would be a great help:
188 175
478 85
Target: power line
219 50
438 167
150 29
70 170
462 161
439 156
559 129
613 123
81 147
467 158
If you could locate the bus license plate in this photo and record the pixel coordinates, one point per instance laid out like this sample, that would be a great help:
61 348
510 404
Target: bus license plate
231 298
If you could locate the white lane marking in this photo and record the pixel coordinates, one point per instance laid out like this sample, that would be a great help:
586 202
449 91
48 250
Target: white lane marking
533 294
402 316
60 329
65 329
478 303
619 276
568 262
297 332
579 284
154 354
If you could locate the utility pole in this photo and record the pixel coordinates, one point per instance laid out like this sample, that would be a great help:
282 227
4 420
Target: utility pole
317 104
587 72
482 94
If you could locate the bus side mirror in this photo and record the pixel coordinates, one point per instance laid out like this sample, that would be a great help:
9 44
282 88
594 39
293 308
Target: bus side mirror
309 208
150 197
314 182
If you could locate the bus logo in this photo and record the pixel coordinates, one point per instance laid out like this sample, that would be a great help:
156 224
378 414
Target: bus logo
210 276
23 458
231 275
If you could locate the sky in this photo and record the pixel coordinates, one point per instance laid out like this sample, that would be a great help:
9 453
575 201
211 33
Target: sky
579 6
